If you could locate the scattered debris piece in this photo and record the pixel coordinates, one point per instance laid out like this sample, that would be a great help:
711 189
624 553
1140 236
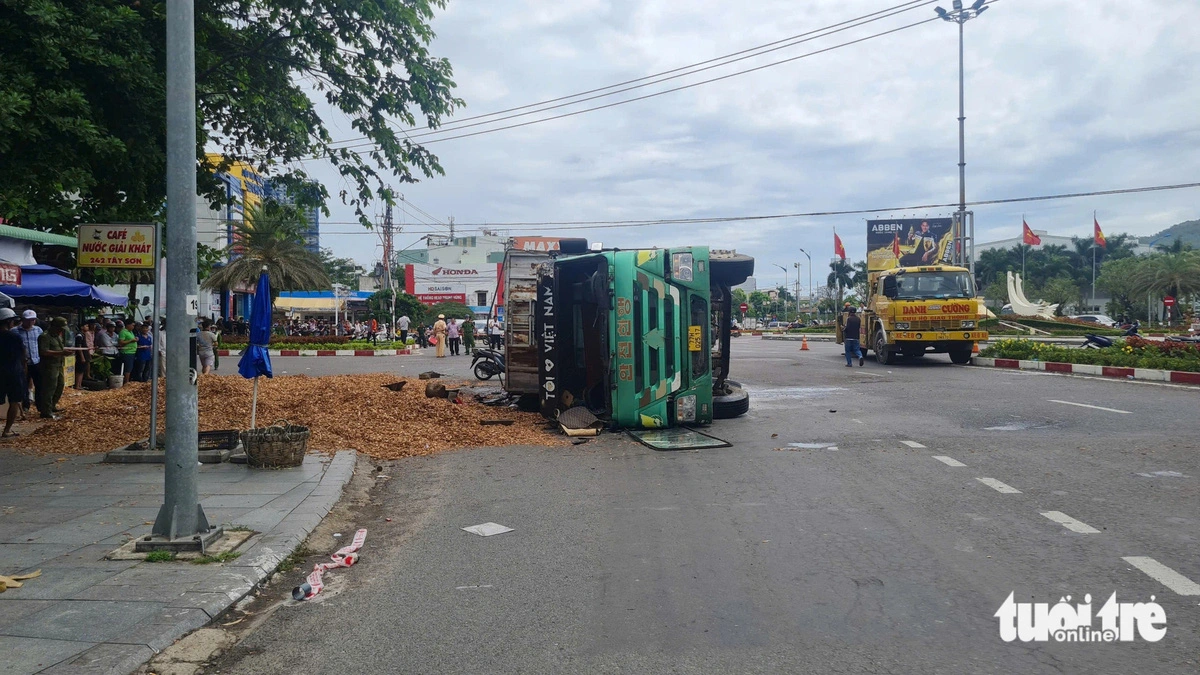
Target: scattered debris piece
487 529
15 580
490 423
430 375
344 557
436 390
396 386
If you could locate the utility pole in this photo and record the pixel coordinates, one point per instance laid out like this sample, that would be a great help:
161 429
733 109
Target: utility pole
181 523
961 16
451 221
387 265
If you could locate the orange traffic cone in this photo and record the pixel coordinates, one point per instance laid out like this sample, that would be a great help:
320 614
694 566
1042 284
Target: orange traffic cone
804 343
974 347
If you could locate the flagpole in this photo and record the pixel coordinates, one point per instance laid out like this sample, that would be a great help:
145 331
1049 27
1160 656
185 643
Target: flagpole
1023 226
1094 221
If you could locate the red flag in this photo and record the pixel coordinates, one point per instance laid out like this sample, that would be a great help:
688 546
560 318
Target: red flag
896 245
838 249
1028 235
1099 235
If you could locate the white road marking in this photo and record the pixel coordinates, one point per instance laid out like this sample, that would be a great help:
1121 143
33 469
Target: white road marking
912 444
1164 575
863 372
1093 407
463 588
1070 523
998 486
948 461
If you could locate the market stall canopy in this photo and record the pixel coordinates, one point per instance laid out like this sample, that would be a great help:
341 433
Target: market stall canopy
46 285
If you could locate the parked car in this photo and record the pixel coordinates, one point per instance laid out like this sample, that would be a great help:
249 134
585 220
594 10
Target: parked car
1101 319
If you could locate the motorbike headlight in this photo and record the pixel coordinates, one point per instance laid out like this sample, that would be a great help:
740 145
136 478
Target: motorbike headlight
685 408
903 325
968 324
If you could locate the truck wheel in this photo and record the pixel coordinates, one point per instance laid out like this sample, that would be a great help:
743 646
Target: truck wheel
732 270
882 355
960 355
733 404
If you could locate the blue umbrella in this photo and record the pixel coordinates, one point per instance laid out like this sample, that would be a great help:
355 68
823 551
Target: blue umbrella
256 360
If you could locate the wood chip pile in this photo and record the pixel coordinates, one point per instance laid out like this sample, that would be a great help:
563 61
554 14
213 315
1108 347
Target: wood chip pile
342 411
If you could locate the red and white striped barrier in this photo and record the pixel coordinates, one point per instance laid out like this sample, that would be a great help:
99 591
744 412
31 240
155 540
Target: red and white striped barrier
1149 374
344 557
324 352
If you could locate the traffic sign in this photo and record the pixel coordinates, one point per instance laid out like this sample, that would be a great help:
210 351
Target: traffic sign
744 307
1169 301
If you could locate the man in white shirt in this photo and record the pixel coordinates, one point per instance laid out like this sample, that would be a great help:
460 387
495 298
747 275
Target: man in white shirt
402 325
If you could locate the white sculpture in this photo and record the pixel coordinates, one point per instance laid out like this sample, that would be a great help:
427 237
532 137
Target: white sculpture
1021 305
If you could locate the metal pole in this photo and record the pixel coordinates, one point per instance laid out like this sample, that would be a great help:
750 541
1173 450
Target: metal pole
181 515
962 144
155 333
1093 277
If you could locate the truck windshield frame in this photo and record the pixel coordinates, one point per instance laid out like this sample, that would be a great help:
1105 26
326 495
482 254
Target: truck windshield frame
934 285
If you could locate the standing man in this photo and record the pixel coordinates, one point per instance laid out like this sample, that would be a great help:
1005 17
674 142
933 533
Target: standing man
850 336
439 335
52 349
402 324
127 349
468 335
454 333
496 334
13 388
29 332
374 329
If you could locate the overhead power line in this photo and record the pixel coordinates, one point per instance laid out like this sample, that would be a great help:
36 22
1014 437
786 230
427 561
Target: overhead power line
656 78
648 222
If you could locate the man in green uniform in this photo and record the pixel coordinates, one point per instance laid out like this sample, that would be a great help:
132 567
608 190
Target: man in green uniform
468 335
52 349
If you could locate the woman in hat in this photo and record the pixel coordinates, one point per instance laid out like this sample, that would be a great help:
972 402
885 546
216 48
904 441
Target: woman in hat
439 333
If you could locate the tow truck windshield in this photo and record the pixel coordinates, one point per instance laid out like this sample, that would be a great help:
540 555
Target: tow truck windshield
933 285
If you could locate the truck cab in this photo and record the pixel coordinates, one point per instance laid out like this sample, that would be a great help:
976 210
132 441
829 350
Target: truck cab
633 336
913 311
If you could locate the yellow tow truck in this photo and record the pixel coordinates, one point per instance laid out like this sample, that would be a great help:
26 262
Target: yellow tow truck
913 311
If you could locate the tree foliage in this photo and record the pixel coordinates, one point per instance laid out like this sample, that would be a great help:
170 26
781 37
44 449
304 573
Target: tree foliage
271 237
342 271
82 99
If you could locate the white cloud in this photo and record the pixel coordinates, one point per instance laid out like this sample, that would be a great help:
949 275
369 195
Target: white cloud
1059 99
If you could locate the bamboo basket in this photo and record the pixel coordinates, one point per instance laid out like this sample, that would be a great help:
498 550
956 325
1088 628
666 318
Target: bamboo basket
277 446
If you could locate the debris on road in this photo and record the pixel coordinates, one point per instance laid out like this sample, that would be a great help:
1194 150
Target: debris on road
341 411
343 557
487 529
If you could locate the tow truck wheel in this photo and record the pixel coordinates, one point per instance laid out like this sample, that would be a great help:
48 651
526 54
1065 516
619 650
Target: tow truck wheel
734 404
882 355
960 356
732 269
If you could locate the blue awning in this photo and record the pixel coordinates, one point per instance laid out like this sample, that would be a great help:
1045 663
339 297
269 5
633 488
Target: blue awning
46 285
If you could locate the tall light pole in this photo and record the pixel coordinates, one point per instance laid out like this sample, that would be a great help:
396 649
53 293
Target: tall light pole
810 286
961 16
785 285
797 266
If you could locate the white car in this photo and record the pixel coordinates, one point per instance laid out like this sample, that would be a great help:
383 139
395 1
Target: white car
1101 319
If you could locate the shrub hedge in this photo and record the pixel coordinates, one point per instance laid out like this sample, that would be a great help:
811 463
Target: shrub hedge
1132 352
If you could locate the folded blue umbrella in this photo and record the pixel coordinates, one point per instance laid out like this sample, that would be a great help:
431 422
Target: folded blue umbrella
256 360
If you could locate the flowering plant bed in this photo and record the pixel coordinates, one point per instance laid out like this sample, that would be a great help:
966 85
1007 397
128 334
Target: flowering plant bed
1132 352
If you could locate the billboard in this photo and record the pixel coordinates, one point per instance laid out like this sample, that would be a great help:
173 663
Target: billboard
432 284
10 274
919 241
116 246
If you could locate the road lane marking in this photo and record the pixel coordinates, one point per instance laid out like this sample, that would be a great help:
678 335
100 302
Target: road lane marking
948 461
1164 575
1093 407
1070 523
998 486
463 588
912 444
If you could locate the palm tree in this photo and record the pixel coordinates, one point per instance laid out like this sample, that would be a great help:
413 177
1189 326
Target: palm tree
841 277
270 236
1175 274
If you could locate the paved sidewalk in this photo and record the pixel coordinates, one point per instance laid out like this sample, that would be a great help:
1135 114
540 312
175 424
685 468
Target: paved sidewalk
85 614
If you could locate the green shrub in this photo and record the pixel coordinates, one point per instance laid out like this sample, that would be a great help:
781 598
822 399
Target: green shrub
1133 352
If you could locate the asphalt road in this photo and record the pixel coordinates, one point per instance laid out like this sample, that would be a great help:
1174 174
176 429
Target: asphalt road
856 551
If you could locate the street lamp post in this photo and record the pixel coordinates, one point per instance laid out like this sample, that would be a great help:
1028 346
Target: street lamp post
785 278
961 16
810 286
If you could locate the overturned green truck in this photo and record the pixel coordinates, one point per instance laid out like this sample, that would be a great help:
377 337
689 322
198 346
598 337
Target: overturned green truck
639 337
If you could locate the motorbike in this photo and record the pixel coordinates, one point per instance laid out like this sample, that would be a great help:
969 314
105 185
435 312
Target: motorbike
487 363
1096 342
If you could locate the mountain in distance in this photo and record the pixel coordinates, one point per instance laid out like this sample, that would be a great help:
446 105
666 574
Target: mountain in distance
1188 231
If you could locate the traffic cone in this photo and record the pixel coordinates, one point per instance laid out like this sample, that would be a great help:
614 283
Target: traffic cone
974 347
804 343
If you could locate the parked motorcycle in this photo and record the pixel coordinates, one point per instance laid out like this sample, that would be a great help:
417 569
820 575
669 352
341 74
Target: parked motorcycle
1096 342
487 363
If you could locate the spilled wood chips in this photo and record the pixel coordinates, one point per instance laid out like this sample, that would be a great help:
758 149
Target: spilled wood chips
342 411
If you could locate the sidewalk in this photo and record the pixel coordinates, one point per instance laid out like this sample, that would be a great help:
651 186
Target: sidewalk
85 614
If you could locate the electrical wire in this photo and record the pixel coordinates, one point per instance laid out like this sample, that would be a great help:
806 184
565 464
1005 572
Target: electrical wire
657 78
648 222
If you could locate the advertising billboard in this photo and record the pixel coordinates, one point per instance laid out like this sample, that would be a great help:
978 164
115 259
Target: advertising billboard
116 246
909 242
432 284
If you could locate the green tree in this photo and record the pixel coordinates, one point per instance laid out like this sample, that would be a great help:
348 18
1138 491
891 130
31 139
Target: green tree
1174 274
1060 291
758 302
82 95
841 277
452 310
274 241
1119 279
339 270
739 296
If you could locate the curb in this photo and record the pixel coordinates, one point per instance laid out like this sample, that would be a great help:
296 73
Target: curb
324 352
1148 374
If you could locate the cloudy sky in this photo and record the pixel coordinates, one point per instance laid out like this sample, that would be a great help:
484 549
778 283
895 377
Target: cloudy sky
1061 97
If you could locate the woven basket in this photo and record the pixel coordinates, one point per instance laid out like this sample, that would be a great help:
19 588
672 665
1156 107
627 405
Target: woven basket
277 446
